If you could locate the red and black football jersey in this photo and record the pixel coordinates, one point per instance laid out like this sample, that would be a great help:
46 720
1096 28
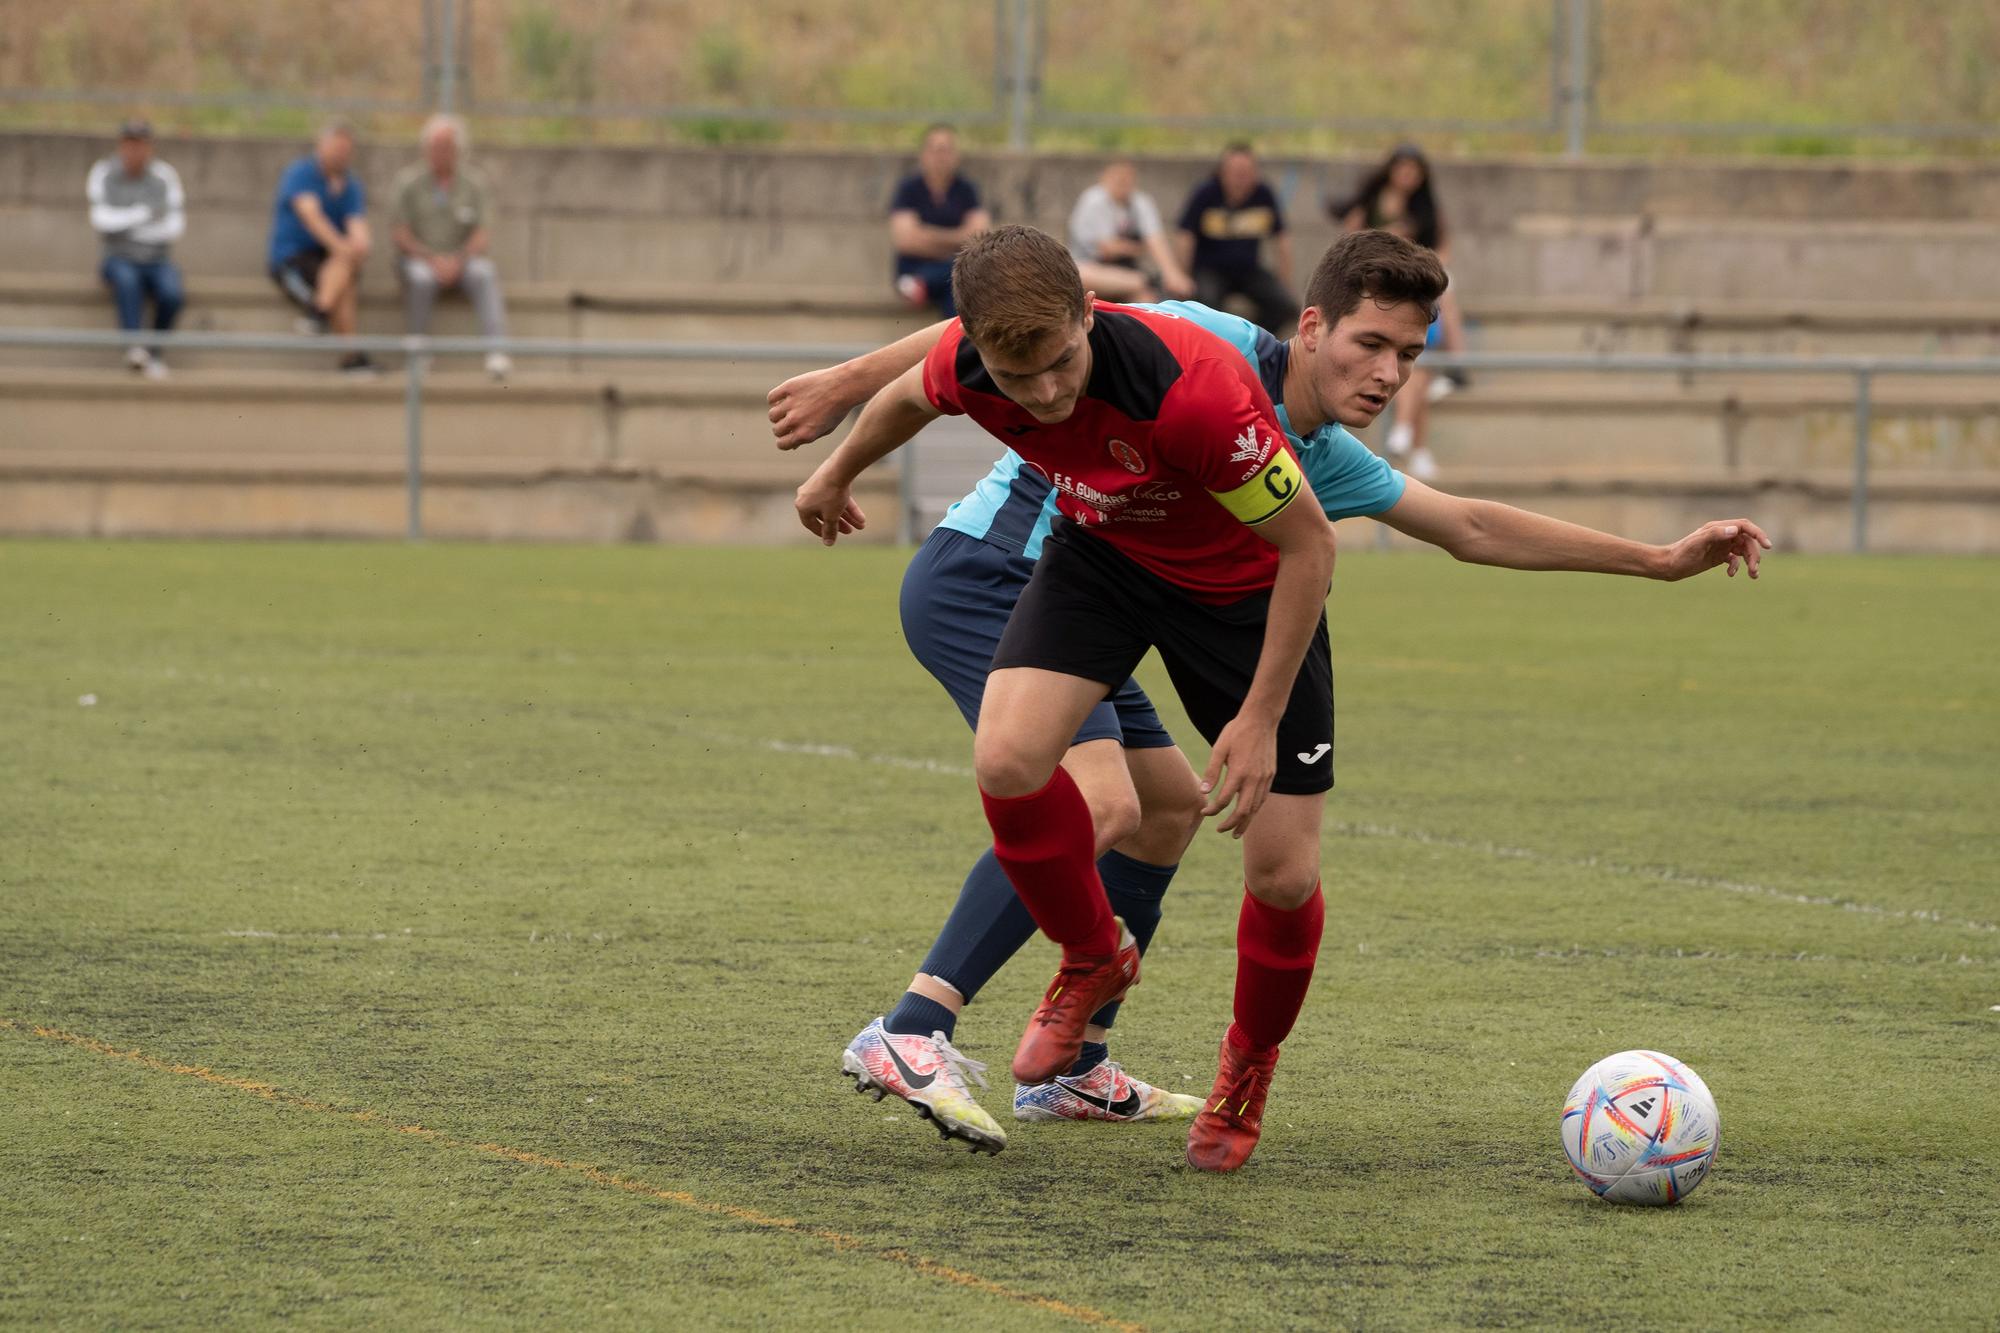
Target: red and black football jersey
1173 454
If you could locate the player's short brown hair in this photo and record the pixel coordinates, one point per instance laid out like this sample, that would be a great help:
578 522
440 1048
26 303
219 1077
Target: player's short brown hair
1380 266
1015 286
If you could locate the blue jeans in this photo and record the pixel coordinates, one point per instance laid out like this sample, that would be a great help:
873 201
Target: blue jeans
132 283
936 276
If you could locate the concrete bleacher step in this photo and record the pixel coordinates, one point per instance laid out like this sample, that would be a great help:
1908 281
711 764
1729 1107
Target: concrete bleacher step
1554 424
702 420
686 454
698 418
688 314
1702 258
1740 328
864 317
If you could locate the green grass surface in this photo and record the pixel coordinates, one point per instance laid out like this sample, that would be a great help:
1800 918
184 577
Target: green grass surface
1777 77
599 855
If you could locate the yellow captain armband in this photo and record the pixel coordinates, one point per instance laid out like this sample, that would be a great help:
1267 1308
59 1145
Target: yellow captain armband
1265 495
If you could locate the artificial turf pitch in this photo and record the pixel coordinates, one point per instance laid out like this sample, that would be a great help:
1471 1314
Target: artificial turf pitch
464 936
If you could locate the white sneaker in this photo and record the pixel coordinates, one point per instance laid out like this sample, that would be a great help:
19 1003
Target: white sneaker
1422 466
1107 1092
498 366
154 369
1401 437
136 359
929 1073
1440 388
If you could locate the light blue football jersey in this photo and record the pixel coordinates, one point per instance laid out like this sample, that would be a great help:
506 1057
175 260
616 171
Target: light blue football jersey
1013 505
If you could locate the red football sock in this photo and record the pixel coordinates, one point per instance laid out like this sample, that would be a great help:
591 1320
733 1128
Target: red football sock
1275 951
1047 844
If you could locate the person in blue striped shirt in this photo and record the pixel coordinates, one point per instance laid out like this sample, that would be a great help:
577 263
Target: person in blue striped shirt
1349 357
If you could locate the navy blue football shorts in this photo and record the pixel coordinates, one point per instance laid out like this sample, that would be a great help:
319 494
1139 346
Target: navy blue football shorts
958 594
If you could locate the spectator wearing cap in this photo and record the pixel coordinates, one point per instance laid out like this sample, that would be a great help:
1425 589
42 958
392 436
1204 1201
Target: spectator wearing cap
320 237
138 209
1223 227
441 229
934 212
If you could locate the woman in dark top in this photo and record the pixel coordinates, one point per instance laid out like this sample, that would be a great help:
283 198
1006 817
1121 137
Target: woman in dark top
1397 196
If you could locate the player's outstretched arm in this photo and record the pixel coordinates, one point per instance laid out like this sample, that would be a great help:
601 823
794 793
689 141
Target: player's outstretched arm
1247 749
807 407
1485 532
825 503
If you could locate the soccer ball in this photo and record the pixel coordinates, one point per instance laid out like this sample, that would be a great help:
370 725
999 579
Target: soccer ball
1640 1127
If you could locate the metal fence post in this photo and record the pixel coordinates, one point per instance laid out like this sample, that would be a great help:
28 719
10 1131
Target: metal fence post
1863 421
428 79
447 87
1017 115
1577 95
413 443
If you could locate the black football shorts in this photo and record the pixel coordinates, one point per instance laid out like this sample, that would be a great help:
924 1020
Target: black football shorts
1090 611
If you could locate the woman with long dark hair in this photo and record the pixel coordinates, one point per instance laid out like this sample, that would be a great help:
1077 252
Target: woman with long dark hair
1397 196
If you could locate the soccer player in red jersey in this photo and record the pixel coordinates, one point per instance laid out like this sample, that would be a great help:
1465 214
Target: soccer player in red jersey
1179 533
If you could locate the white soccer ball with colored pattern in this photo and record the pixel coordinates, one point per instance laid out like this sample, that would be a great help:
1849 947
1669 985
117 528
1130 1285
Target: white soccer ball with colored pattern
1640 1127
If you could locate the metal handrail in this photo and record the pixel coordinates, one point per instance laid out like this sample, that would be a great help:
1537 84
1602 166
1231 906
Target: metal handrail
420 349
416 345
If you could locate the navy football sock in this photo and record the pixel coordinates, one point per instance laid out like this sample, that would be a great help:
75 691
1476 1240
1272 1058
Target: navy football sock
919 1015
987 926
1093 1054
1135 889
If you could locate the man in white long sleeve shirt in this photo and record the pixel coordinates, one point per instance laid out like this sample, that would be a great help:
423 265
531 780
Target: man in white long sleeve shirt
139 210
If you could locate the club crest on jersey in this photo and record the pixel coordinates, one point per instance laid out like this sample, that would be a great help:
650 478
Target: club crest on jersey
1128 457
1251 450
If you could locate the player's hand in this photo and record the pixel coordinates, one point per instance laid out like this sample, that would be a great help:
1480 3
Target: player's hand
827 509
1247 752
1730 541
806 407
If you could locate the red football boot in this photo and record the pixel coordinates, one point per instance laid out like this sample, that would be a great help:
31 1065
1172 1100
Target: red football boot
1225 1133
1082 986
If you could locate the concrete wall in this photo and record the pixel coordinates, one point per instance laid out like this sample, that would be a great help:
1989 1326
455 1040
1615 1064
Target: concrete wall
1529 227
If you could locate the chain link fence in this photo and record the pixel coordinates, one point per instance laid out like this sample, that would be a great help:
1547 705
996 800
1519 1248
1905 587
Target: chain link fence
1801 77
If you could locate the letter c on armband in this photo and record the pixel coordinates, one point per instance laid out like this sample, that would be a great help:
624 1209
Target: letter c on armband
1265 495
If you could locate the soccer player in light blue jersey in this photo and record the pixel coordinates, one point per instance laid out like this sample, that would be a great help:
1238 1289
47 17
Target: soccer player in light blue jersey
1369 305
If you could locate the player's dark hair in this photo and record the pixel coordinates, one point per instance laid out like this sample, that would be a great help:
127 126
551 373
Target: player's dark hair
1378 266
1235 146
1015 286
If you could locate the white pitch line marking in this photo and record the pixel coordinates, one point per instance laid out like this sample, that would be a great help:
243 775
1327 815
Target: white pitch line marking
1663 874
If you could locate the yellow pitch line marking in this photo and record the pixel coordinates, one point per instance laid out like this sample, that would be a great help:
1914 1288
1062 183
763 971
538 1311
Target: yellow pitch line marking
839 1240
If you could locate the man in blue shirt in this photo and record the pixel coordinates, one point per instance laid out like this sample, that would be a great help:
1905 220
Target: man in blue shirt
320 238
1368 307
935 211
1223 227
